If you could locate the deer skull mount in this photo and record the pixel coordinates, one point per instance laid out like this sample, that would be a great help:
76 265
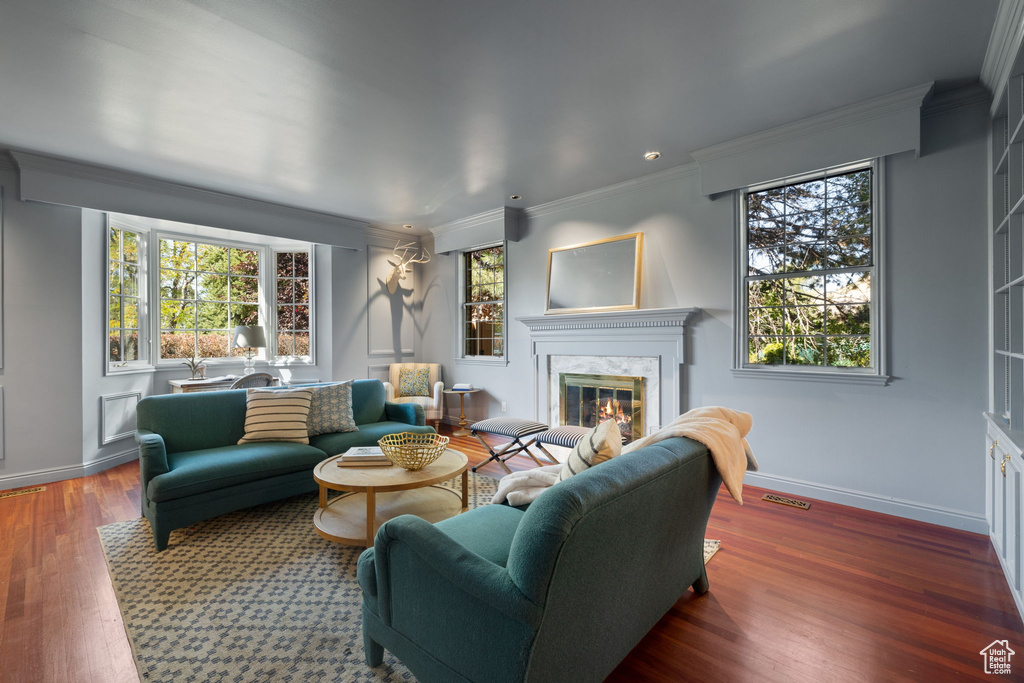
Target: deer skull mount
404 266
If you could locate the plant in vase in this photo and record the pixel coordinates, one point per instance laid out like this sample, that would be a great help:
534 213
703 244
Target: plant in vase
195 365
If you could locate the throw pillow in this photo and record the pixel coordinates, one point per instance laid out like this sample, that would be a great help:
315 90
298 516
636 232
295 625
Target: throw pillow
414 382
331 409
276 415
601 443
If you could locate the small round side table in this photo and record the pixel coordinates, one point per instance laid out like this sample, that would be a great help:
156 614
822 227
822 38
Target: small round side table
461 431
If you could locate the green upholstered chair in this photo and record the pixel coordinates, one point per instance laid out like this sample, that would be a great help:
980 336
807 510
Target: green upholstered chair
559 592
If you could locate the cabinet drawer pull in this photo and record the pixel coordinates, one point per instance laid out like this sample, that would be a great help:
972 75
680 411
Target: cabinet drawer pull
992 450
1002 465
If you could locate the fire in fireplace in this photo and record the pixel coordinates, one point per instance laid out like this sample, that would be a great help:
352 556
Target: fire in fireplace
587 400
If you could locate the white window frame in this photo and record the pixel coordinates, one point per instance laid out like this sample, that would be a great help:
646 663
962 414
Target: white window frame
461 358
149 304
878 372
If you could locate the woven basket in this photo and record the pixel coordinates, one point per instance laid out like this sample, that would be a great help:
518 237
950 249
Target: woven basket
411 450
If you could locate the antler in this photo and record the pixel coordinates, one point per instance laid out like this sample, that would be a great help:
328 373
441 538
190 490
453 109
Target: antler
404 264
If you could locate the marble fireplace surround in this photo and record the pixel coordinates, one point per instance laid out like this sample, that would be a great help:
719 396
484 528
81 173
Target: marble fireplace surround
648 343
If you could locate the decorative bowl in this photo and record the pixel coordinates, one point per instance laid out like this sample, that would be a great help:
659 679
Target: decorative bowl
411 450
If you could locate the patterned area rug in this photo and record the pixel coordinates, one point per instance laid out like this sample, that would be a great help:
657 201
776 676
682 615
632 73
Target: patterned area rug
255 595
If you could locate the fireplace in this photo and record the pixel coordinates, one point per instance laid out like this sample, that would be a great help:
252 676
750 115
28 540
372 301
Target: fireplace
587 400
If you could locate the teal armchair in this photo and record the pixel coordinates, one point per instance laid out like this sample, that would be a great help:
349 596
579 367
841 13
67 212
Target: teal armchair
559 592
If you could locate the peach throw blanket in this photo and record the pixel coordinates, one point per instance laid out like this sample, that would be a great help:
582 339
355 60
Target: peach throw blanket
724 433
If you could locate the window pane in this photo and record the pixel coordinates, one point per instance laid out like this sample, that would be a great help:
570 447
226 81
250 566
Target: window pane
285 344
177 344
849 220
809 196
302 343
245 262
849 188
285 317
848 288
302 317
766 321
849 319
302 291
213 344
115 311
766 233
213 316
766 261
849 351
130 310
115 346
115 278
765 292
807 227
805 351
851 251
177 284
130 285
131 248
805 320
301 264
285 291
177 315
213 258
284 264
245 289
806 256
130 345
115 244
244 314
213 287
178 255
805 291
765 350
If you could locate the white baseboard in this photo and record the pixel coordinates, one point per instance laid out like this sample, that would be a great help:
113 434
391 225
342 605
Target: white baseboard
1018 596
52 474
922 512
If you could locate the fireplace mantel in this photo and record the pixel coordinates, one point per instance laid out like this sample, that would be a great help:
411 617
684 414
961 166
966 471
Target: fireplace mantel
644 317
653 337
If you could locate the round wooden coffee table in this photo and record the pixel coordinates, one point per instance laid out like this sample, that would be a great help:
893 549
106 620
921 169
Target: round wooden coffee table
373 495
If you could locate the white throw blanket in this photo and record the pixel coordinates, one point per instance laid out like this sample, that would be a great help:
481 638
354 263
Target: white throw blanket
722 430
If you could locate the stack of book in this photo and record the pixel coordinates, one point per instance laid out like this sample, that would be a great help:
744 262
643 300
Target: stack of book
364 456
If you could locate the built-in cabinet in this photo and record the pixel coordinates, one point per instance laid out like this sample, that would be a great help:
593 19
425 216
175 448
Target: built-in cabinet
1004 441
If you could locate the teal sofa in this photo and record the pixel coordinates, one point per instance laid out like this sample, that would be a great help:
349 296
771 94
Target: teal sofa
193 468
559 592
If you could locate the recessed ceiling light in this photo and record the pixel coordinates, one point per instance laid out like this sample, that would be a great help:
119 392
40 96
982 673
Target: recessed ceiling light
407 227
515 196
651 156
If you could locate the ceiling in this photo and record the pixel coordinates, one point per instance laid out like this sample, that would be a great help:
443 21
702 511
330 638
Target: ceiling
405 111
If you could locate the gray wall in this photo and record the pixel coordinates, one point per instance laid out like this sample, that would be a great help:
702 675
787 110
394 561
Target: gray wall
908 448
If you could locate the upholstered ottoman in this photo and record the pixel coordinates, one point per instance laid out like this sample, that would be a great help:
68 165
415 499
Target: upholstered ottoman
513 428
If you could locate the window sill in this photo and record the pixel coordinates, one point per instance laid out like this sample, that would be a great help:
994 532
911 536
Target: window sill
114 370
812 376
494 362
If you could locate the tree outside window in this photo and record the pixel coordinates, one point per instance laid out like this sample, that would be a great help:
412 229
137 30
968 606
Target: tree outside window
809 270
484 302
292 303
124 296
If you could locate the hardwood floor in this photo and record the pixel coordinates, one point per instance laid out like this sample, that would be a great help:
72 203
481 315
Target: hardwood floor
831 593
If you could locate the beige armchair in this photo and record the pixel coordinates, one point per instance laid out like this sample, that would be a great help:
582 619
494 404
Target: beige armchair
433 405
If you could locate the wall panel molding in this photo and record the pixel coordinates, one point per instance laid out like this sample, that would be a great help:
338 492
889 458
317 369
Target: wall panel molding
117 416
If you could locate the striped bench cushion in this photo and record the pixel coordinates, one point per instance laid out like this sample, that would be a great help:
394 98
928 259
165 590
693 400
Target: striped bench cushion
567 436
277 415
508 426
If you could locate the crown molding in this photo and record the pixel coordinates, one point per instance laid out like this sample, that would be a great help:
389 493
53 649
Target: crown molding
650 180
955 99
1003 44
27 161
383 234
470 221
837 118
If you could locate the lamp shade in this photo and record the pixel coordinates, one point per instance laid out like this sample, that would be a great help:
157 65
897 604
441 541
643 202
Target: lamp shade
250 336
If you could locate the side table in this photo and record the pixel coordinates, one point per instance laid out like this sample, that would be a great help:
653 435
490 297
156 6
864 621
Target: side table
461 431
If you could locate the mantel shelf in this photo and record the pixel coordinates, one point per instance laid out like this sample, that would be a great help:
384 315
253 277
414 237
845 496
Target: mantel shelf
644 317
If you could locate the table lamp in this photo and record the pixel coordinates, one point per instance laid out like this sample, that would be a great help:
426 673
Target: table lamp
250 337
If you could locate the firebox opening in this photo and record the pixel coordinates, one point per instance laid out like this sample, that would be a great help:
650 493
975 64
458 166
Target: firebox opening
587 400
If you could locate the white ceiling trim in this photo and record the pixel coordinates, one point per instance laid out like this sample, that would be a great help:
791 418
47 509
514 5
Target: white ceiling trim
489 227
650 180
877 127
62 181
952 100
1003 44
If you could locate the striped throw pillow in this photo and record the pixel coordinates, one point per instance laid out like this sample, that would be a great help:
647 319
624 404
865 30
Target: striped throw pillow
601 443
276 415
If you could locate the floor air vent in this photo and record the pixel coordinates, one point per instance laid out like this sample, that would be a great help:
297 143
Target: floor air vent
34 489
782 500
